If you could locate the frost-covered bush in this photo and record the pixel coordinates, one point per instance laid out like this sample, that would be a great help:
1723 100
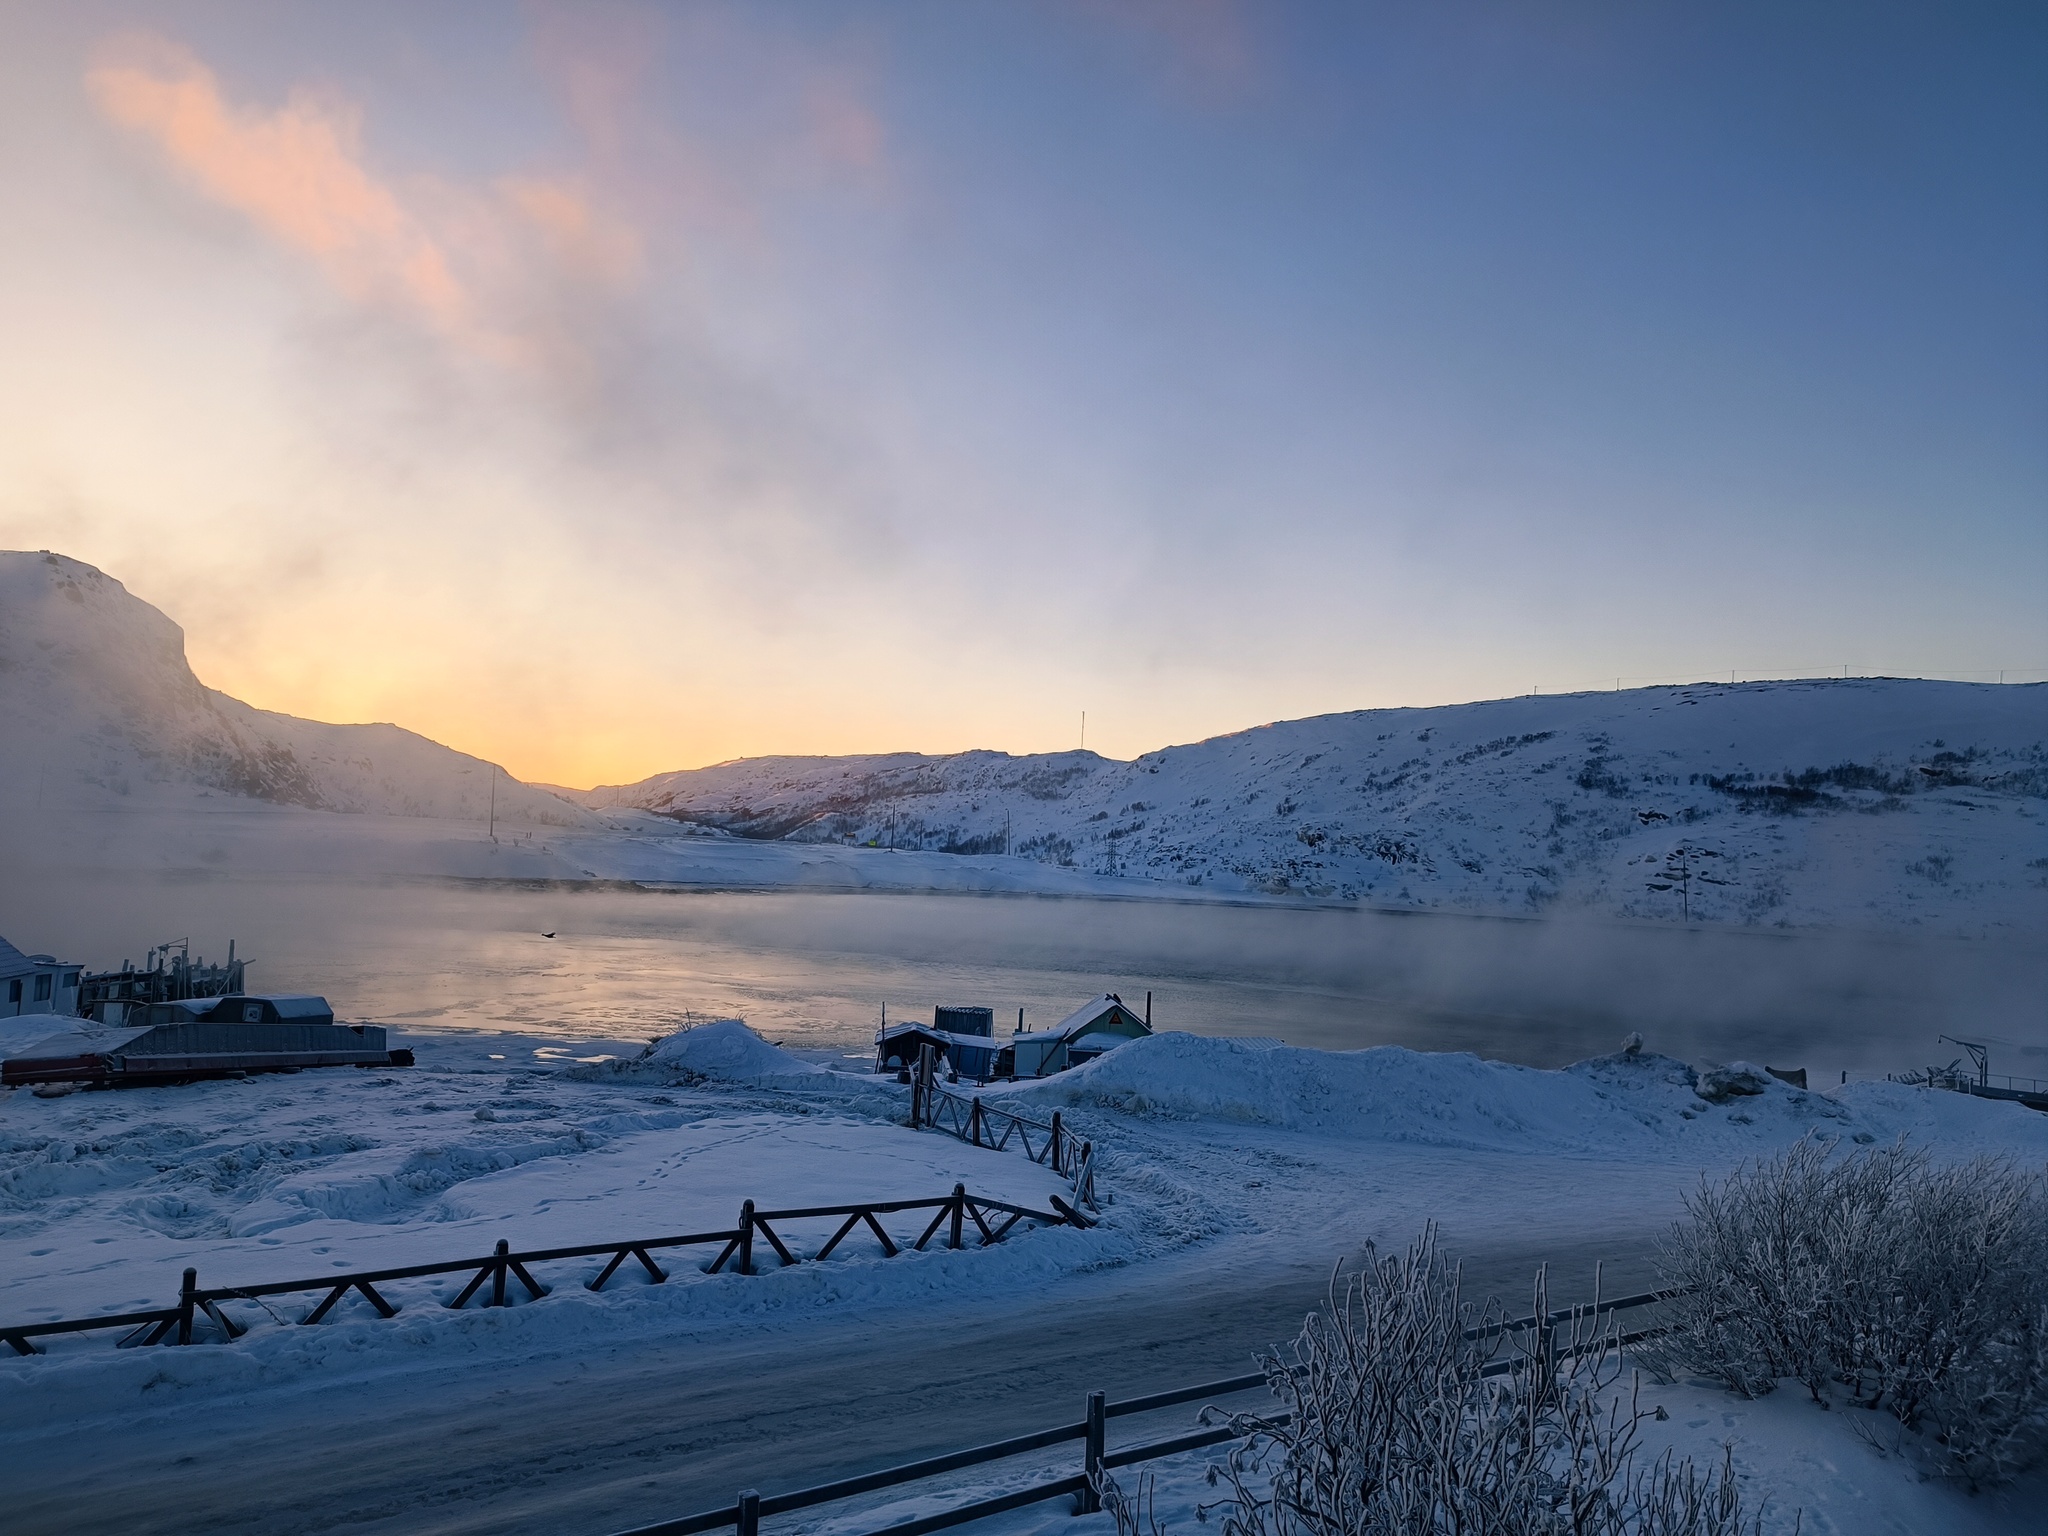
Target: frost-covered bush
1387 1427
1880 1277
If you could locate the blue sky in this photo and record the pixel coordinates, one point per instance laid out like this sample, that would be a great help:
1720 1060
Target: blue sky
616 388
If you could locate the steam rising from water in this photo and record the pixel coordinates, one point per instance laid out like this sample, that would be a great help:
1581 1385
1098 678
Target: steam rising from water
816 969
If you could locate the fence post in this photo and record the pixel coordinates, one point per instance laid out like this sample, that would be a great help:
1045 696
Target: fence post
749 1513
959 1213
1056 1142
974 1121
1091 1460
925 1074
185 1294
746 1237
917 1094
498 1274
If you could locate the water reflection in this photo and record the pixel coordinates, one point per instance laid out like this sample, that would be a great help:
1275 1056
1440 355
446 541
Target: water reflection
817 969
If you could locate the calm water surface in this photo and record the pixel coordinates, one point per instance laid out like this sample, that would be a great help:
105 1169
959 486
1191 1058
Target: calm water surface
817 970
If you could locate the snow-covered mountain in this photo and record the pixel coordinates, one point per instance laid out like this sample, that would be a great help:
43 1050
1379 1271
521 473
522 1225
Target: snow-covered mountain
1816 802
96 697
1783 802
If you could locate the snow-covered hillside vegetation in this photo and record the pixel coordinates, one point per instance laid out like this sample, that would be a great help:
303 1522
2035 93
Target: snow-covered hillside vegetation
1785 802
97 697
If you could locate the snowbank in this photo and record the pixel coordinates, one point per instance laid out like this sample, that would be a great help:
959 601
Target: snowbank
1627 1104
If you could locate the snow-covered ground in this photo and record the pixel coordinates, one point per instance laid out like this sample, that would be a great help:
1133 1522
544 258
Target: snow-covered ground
106 1197
1219 1155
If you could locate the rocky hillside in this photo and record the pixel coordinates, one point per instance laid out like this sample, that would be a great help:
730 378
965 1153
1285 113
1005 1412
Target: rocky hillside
98 699
1796 802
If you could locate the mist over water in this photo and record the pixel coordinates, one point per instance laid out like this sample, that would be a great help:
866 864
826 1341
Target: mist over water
816 970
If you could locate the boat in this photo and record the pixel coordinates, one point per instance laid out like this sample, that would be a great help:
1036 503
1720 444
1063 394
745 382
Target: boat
193 1039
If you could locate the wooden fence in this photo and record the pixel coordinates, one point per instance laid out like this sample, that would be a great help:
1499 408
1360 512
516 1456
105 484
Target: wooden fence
971 1118
991 1222
744 1515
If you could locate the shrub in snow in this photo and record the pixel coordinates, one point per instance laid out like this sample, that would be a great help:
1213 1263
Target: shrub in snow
1389 1429
1884 1279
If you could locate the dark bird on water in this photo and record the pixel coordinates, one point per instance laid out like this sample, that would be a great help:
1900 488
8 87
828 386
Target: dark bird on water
547 935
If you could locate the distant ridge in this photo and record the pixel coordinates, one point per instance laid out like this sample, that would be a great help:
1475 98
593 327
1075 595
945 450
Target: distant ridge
1796 801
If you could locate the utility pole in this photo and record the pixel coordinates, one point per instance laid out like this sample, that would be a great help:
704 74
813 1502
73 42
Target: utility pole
1679 871
494 802
1084 730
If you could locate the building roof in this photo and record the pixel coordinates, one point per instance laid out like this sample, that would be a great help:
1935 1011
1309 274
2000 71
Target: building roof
1077 1021
289 1005
14 963
971 1042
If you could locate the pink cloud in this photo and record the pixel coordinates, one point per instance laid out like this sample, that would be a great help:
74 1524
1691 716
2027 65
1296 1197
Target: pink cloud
295 172
455 259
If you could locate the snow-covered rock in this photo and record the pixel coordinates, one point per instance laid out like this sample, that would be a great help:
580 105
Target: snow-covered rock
1737 1080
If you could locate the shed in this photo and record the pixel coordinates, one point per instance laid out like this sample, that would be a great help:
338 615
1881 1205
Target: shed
1098 1025
36 983
898 1046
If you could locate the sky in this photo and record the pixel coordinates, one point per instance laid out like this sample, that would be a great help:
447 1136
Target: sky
611 388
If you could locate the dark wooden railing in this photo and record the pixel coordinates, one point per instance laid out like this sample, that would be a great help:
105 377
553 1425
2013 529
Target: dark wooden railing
975 1120
746 1512
991 1219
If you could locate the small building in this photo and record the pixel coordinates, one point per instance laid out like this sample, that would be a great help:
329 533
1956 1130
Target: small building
963 1038
36 983
1099 1025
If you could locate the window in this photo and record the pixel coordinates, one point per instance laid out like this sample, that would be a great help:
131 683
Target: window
71 981
43 987
14 990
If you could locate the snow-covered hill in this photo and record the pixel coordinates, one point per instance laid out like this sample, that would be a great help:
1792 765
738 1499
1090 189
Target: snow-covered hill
1786 802
1818 802
97 698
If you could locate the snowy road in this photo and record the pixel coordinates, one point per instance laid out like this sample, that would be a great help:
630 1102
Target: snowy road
627 1434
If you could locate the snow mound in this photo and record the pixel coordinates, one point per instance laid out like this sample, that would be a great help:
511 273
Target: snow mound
1627 1104
725 1051
1387 1092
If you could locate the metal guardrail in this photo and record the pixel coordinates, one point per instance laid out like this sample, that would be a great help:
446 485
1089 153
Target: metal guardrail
745 1514
953 1211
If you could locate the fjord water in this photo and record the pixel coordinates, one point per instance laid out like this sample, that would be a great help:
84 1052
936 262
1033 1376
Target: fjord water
816 969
